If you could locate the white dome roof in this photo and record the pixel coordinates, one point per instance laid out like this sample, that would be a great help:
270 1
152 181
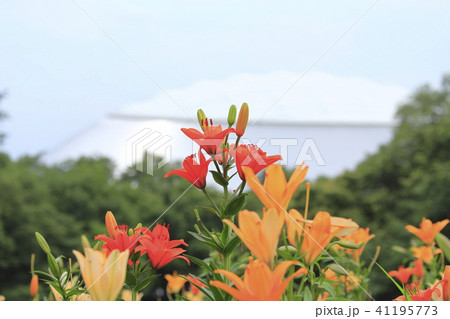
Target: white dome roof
315 97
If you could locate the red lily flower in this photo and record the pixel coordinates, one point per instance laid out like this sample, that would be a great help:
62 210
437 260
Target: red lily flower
251 156
416 294
195 172
158 246
118 237
122 240
211 139
402 273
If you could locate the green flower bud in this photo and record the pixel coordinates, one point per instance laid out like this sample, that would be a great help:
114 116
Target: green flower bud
43 243
232 115
201 117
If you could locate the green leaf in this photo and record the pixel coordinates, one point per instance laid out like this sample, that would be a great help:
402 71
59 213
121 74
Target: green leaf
130 279
219 179
328 287
235 205
44 274
43 243
210 209
444 244
199 262
144 283
53 266
207 241
232 245
307 296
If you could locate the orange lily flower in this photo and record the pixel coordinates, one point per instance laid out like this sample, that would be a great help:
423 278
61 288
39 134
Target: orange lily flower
212 137
253 157
259 235
103 275
402 273
425 253
259 282
194 171
427 230
174 283
276 191
318 233
360 236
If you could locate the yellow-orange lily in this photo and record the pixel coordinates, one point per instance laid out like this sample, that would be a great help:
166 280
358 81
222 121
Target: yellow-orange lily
103 274
277 191
425 253
427 230
316 234
259 235
127 295
360 236
174 283
259 282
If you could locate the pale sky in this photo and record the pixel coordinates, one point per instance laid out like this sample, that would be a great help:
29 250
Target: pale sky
62 73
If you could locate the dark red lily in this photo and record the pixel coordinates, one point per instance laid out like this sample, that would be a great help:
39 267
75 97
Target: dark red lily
251 156
211 139
416 294
158 246
195 172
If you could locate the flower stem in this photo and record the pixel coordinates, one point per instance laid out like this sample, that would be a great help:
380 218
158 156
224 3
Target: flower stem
211 200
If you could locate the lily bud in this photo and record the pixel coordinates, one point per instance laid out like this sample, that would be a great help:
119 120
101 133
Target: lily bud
443 243
85 242
242 120
111 225
201 117
34 286
43 243
232 115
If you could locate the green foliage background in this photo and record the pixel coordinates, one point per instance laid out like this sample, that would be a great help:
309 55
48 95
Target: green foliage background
407 179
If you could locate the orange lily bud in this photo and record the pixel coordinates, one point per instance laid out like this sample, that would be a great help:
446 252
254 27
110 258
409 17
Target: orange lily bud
232 115
34 286
242 120
111 225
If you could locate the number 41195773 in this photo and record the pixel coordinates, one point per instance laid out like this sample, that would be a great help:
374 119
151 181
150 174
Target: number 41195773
407 310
